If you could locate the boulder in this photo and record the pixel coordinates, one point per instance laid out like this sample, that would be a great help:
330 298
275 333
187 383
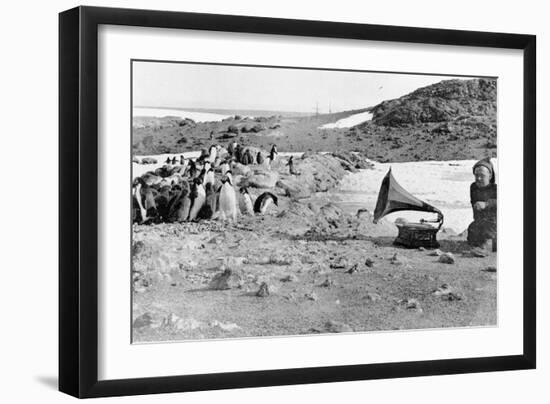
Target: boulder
263 179
240 169
263 291
145 320
296 187
228 279
149 160
447 258
355 160
337 326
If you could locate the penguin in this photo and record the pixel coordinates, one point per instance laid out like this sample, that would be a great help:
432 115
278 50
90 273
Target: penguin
273 153
225 167
231 148
178 209
192 169
291 166
145 198
174 160
209 178
204 156
198 197
168 161
161 201
263 201
182 160
244 157
141 214
259 158
181 168
228 202
211 201
238 153
174 179
247 157
212 153
245 202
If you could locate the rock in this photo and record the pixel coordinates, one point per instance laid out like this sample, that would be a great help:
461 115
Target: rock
479 252
421 248
311 296
337 326
490 269
340 263
227 279
149 160
263 291
170 321
279 259
436 253
136 160
369 262
442 290
290 278
234 262
296 187
356 160
413 304
262 179
327 283
240 169
373 297
353 269
225 326
452 296
187 324
145 320
447 258
398 260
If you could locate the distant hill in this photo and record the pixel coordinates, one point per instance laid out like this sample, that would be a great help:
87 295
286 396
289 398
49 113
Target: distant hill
449 120
445 101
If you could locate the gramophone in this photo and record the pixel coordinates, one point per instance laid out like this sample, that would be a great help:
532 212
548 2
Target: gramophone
393 198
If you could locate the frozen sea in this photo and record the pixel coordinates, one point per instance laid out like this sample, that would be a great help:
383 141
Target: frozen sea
163 112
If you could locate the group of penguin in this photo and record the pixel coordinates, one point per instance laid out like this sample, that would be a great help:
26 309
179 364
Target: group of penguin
189 191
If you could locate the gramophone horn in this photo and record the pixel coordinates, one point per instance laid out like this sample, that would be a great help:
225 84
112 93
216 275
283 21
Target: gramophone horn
393 197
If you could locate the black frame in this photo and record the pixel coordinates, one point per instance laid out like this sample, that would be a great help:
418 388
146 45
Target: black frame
78 180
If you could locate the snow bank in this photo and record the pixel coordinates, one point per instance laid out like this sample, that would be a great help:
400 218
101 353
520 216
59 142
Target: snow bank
443 184
350 121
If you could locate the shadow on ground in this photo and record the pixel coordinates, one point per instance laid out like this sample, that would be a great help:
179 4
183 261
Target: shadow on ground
48 381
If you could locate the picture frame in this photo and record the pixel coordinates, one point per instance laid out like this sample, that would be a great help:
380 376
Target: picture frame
79 165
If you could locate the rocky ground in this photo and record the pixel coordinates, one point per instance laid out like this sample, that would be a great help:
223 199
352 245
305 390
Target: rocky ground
286 274
304 267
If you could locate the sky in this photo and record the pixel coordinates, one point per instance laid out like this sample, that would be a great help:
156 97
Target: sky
185 85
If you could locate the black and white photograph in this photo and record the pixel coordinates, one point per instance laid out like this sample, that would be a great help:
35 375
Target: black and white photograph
276 201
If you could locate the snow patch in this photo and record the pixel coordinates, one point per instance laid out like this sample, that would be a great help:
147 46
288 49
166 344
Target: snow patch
443 184
350 121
